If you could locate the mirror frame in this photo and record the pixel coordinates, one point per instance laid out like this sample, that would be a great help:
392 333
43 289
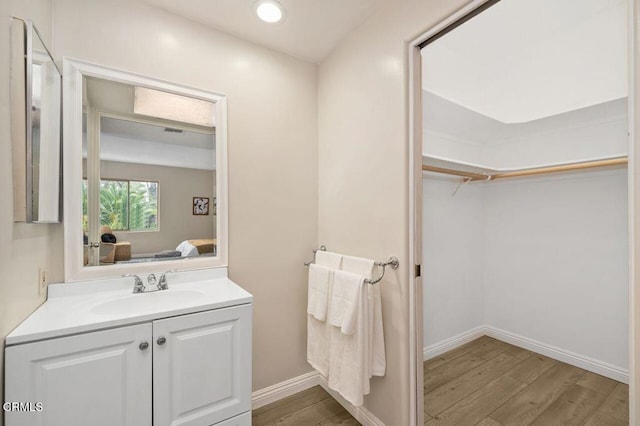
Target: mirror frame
73 72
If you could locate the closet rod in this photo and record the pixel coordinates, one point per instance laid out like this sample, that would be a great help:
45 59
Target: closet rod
562 168
473 176
529 172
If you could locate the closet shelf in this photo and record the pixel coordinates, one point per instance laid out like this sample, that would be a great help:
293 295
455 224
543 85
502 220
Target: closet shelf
472 172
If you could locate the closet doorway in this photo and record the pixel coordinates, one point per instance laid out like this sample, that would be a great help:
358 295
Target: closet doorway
522 196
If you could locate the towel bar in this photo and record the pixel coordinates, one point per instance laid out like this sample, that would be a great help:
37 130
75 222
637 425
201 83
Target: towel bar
393 262
322 248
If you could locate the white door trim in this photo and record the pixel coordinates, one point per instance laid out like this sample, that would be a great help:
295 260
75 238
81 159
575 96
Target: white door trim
415 204
416 399
633 34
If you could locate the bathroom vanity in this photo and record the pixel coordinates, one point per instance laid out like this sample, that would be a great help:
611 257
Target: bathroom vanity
96 353
113 345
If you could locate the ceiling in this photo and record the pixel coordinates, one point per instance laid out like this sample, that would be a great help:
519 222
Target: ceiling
116 99
310 30
132 138
135 131
523 60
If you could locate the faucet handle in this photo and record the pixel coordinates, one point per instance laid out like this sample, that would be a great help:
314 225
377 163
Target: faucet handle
138 285
163 284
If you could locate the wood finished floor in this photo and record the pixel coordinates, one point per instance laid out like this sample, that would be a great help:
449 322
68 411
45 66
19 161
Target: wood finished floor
486 383
307 408
491 383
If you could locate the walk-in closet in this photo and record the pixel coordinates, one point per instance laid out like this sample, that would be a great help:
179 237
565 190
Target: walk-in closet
525 216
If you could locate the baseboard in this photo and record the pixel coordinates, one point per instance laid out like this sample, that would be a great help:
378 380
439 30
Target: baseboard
446 345
284 389
572 358
361 414
292 386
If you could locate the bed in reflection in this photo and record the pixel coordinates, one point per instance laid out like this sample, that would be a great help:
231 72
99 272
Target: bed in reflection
203 246
186 249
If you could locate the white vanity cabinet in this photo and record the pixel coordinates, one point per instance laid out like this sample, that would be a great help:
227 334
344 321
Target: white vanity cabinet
192 369
100 378
202 367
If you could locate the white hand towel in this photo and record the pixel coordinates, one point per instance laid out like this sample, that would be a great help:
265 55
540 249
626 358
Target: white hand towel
328 259
318 291
318 340
344 303
347 355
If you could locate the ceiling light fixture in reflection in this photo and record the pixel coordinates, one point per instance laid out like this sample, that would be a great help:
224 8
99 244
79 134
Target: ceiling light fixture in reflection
156 103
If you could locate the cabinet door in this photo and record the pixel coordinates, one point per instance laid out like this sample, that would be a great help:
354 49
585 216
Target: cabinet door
241 420
100 379
202 371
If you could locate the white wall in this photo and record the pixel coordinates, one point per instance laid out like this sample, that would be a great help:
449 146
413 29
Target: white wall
273 151
130 150
544 258
556 263
562 141
24 248
452 265
443 145
363 170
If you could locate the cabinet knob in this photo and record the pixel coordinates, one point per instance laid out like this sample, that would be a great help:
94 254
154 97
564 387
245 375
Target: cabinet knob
161 340
143 346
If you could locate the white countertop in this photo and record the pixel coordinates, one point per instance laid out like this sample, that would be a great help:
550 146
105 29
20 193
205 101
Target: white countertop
73 308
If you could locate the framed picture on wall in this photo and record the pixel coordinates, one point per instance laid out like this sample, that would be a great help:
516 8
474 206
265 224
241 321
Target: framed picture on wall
200 206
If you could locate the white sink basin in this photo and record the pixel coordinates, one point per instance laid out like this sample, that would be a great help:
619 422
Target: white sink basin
142 302
82 307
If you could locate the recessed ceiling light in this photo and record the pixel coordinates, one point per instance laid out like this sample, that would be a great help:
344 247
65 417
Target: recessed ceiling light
270 11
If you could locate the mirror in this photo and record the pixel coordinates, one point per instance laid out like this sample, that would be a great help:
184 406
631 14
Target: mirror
149 181
37 79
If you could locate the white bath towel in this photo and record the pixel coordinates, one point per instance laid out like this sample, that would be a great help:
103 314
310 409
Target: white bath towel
328 259
318 291
318 345
358 265
377 356
347 353
375 351
344 301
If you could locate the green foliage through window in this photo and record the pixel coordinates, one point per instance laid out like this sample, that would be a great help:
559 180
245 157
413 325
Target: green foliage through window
125 205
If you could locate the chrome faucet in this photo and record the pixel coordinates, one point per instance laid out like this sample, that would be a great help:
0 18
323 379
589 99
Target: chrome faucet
151 279
138 285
